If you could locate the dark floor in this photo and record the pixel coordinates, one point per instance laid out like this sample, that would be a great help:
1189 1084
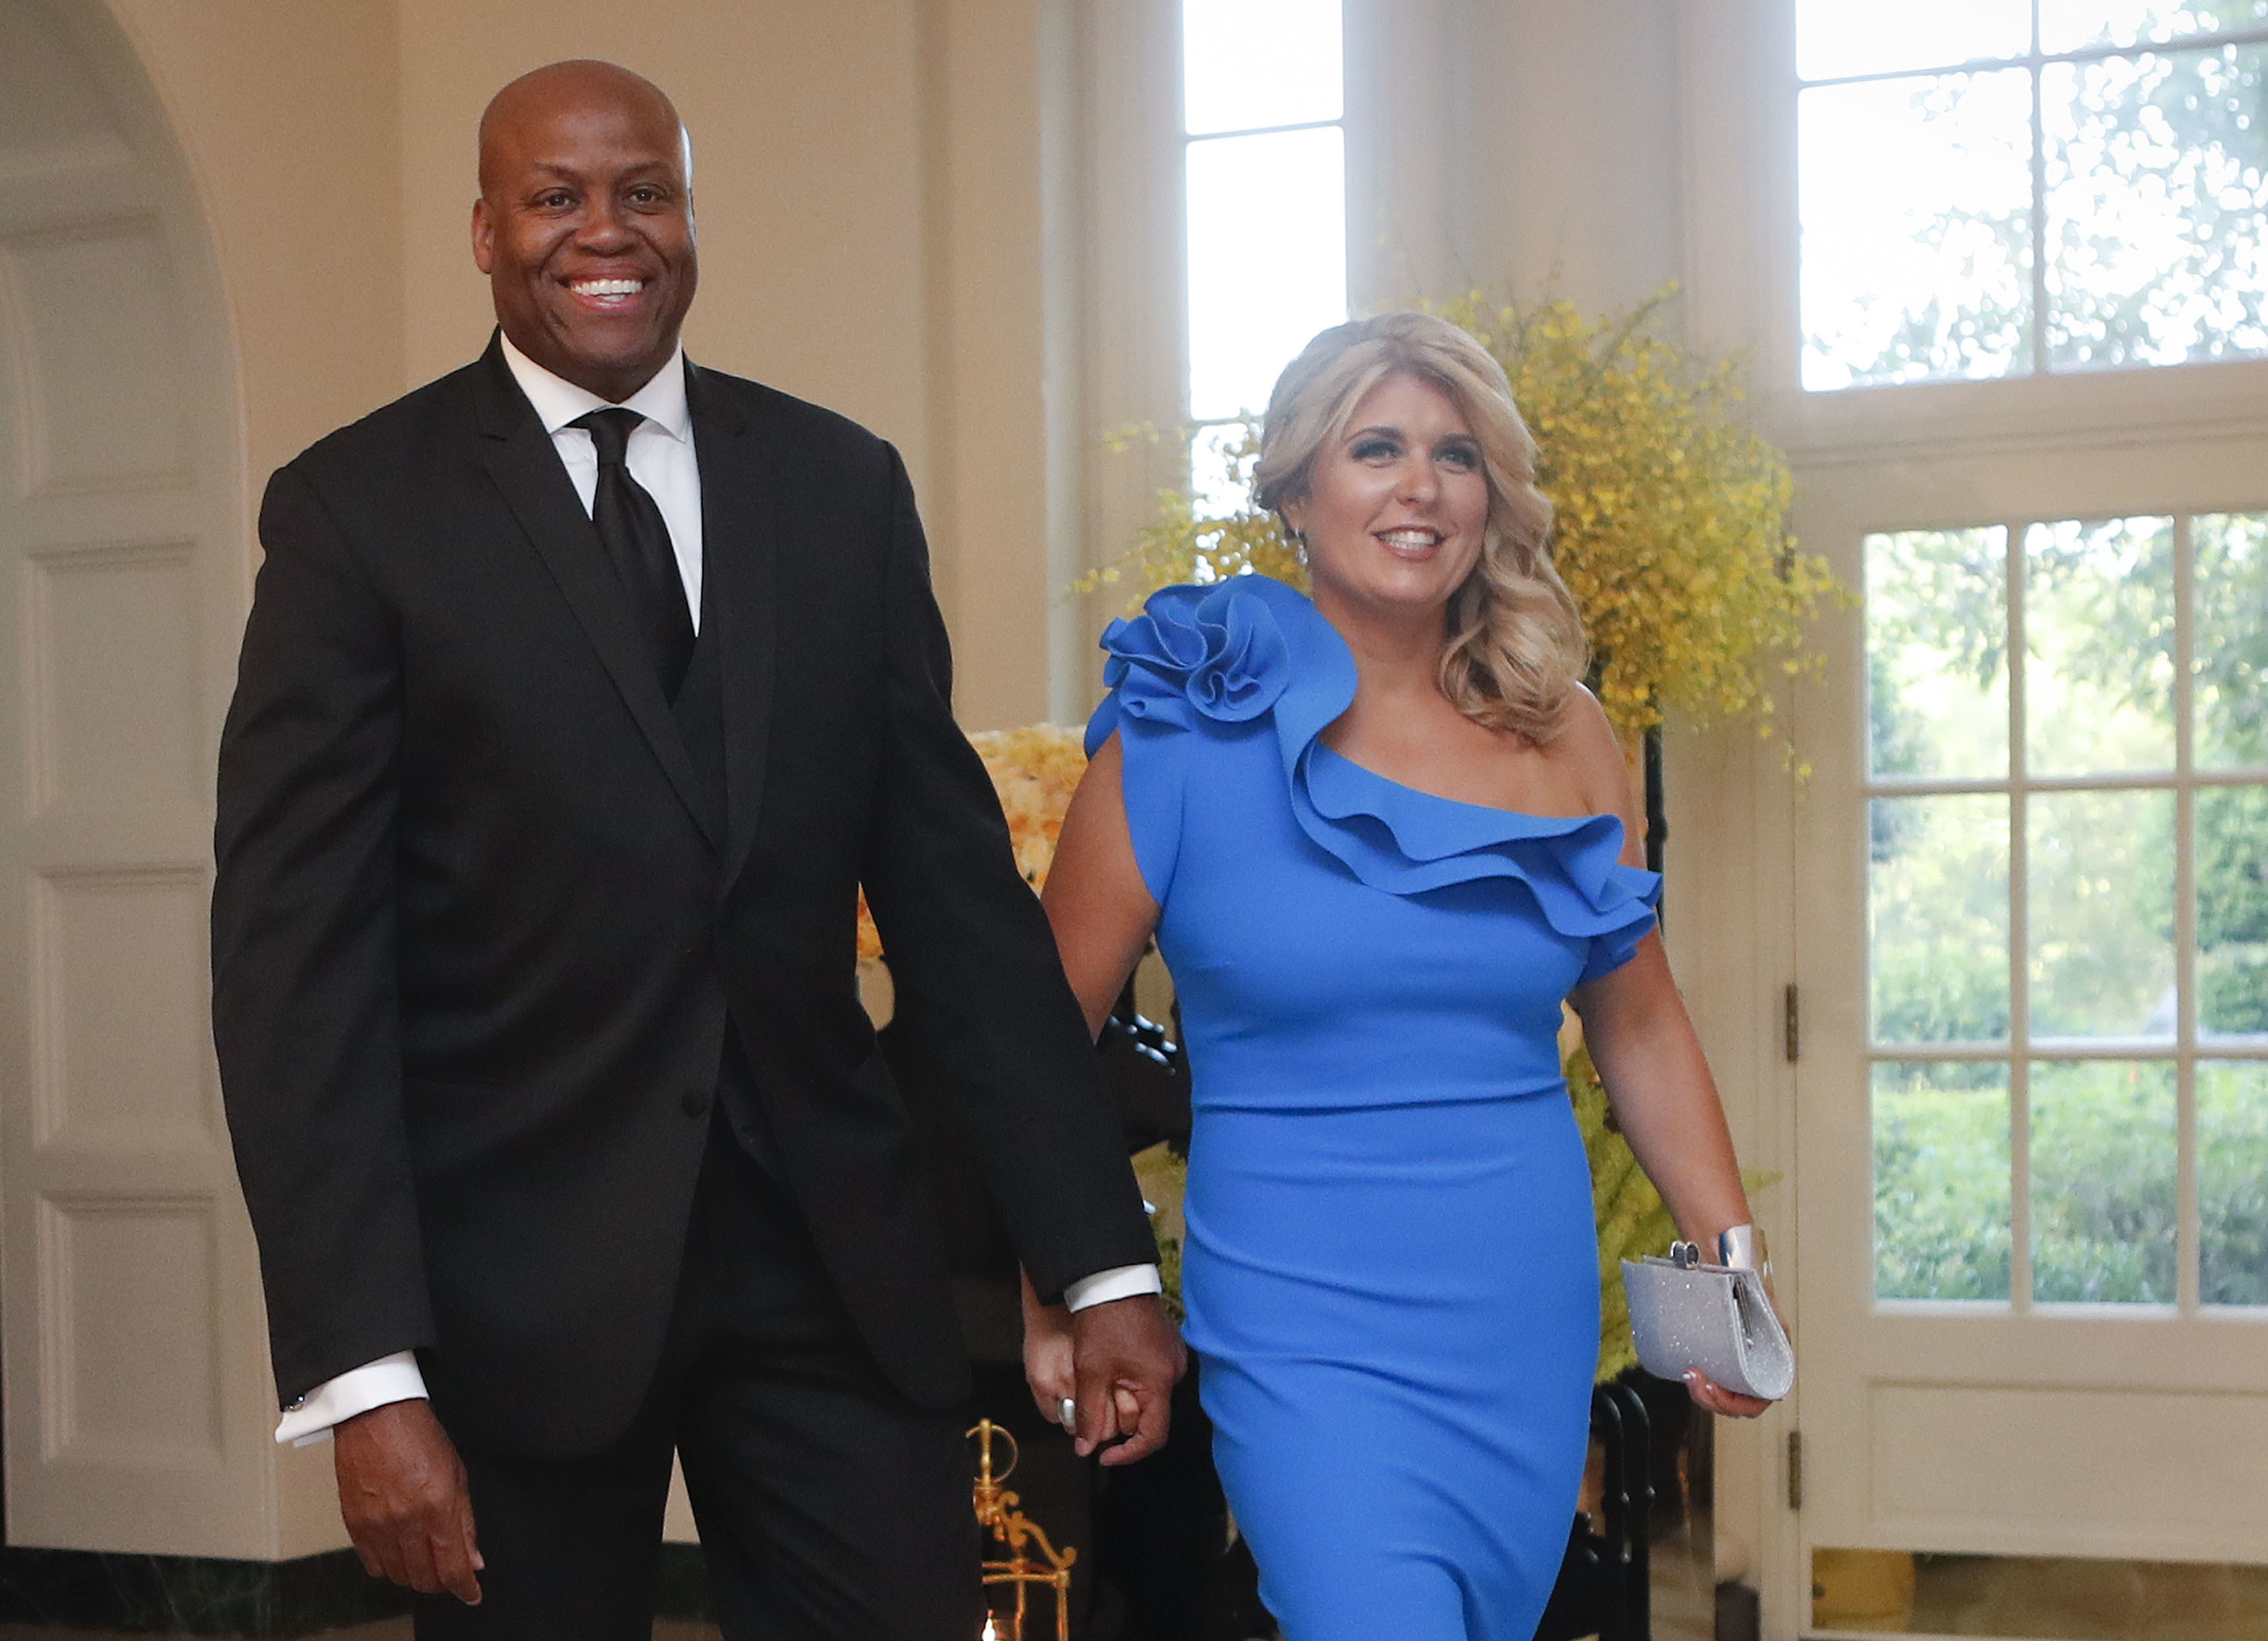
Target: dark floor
1682 1606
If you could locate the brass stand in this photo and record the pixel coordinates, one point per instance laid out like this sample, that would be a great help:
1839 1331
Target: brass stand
997 1510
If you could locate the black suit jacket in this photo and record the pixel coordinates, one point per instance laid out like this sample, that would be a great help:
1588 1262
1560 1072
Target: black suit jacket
477 939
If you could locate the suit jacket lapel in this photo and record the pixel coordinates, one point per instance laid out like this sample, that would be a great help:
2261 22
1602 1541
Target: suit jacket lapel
525 466
740 529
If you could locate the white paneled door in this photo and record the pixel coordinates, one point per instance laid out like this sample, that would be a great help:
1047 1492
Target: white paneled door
137 1399
2033 937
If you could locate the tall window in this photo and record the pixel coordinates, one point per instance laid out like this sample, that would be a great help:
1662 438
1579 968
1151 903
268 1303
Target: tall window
2068 910
1266 170
2067 775
2004 188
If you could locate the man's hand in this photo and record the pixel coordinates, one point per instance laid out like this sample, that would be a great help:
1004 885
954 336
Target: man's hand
1127 1358
401 1490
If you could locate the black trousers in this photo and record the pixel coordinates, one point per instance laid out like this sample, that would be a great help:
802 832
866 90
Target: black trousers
830 1508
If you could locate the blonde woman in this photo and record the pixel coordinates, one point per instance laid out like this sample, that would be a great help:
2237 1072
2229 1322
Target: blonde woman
1379 837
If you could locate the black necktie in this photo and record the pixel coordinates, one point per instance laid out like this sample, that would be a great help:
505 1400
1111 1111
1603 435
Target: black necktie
637 539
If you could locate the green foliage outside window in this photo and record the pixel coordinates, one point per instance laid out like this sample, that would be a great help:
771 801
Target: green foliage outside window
2103 1222
2102 1165
2233 1184
1942 1222
2104 1134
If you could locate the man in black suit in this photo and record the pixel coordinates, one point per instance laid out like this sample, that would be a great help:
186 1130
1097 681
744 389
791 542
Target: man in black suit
582 691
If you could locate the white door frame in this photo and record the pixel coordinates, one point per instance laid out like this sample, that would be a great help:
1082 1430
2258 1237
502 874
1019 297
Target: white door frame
2147 1432
139 1404
2120 444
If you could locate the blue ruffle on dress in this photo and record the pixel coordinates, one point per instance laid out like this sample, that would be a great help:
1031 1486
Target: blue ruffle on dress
1391 1270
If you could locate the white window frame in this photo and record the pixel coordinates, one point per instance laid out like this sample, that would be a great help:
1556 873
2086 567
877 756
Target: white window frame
2159 440
1130 260
2035 62
1741 243
2183 780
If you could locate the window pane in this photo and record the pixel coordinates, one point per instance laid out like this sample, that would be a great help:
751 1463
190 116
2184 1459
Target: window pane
1246 64
1937 653
2098 641
2075 24
1916 200
2232 1102
2101 959
2232 911
2157 208
1220 469
1253 308
1834 38
1937 918
2231 593
2103 1182
1941 1224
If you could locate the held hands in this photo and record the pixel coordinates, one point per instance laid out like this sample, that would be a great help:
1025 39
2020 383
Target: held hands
402 1491
1117 1362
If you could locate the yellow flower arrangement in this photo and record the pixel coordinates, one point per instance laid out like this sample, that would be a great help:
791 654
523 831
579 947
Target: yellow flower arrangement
1181 544
1632 1216
1035 769
1670 527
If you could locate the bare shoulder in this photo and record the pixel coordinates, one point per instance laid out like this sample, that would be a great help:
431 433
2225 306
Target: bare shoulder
1588 750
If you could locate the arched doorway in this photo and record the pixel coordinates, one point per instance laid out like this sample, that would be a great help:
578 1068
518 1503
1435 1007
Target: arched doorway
137 1403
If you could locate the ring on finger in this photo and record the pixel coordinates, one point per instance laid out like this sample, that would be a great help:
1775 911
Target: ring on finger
1067 1414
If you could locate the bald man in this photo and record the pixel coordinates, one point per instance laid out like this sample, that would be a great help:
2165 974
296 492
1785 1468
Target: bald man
583 689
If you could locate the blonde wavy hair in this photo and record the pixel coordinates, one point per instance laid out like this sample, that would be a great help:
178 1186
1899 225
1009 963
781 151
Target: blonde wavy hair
1513 642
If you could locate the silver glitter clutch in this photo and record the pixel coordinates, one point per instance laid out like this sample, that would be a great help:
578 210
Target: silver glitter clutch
1687 1314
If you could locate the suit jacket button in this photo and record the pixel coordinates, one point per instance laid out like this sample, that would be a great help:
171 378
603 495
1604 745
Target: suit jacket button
693 1102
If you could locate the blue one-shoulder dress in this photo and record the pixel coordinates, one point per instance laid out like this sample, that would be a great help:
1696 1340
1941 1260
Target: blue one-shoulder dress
1391 1270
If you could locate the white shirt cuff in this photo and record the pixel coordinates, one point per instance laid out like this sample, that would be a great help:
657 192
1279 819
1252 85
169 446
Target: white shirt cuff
1122 1282
396 1379
390 1379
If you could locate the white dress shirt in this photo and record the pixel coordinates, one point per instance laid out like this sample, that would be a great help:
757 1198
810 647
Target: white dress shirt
660 457
660 454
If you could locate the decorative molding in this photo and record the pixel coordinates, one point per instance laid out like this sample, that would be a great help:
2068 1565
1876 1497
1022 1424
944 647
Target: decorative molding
42 388
139 1406
66 1103
43 162
66 1219
2021 417
1133 255
49 570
